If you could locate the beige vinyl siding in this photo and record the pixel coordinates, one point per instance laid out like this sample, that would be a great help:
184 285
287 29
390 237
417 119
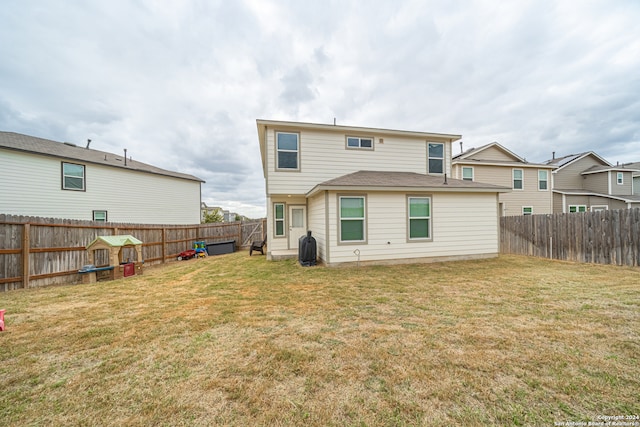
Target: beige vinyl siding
492 153
569 176
464 225
317 223
323 156
626 188
126 195
597 182
557 203
513 201
280 243
618 204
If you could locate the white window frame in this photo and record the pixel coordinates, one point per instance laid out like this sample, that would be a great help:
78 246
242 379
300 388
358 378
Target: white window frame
276 220
527 210
578 208
279 150
472 173
96 215
65 176
429 218
363 219
513 179
546 180
358 140
429 158
620 178
596 208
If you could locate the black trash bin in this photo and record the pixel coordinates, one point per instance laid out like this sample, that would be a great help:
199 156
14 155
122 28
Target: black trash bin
307 250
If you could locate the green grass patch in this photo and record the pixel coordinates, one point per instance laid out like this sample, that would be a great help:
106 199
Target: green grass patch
236 340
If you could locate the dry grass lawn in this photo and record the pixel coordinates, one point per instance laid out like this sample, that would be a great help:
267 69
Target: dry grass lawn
235 340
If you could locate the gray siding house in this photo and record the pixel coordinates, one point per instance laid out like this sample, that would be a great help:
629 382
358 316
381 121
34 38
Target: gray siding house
586 182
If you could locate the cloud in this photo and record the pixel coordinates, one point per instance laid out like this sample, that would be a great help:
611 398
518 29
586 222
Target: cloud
180 84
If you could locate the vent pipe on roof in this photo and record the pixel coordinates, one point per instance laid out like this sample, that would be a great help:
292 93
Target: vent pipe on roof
445 179
125 157
88 142
334 121
461 150
553 155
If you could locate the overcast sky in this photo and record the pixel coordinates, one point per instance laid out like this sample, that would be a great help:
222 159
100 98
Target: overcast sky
180 84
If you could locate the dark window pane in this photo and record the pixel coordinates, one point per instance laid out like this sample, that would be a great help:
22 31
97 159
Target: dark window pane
435 166
73 183
352 230
419 229
288 141
436 150
352 142
279 211
366 143
287 160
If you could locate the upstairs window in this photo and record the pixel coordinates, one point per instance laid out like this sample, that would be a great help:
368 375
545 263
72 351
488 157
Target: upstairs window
436 158
543 180
527 210
288 151
72 176
358 142
467 173
352 219
620 178
517 179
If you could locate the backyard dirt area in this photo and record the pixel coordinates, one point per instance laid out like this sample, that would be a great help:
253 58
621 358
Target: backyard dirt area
237 340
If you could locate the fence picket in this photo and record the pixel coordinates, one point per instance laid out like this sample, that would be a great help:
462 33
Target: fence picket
604 237
46 251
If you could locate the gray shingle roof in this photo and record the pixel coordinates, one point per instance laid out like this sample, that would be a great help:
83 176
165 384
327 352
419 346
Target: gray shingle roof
396 181
46 147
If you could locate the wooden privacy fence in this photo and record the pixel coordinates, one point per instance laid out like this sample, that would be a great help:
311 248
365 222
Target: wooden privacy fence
603 237
41 251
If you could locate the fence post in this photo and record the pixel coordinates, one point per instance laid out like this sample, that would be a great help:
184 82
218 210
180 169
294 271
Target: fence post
164 245
26 246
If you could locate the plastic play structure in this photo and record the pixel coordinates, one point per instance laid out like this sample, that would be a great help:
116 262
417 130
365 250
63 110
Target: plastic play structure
117 267
199 250
2 312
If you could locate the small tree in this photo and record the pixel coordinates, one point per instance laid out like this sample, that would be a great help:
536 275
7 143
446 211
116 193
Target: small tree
215 216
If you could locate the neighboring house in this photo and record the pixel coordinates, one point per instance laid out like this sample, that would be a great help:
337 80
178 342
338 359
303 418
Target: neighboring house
372 195
52 179
635 176
587 182
495 164
224 214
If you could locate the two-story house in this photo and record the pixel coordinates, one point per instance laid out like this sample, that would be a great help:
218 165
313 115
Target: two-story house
372 195
45 178
587 182
495 164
